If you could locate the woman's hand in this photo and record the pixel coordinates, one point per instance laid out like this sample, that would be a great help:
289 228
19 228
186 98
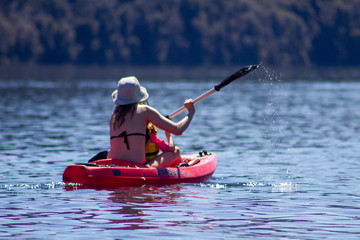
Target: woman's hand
189 105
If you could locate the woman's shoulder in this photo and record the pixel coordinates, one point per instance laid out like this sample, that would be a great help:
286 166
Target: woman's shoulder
151 114
146 109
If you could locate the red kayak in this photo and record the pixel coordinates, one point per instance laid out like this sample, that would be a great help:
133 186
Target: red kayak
119 173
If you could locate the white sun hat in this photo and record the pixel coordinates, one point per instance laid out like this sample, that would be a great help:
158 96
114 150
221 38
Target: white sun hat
129 91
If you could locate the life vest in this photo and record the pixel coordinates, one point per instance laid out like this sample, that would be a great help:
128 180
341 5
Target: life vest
150 148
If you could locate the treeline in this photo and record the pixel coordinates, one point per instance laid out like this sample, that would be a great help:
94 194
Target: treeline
180 32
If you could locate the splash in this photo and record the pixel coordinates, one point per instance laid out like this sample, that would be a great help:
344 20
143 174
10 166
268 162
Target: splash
273 108
285 187
51 185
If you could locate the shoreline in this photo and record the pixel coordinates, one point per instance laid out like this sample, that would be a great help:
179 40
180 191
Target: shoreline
170 73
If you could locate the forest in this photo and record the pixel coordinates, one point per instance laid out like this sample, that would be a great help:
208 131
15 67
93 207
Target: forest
180 32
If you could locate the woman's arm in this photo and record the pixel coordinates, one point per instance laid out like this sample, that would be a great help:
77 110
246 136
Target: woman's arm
171 143
169 126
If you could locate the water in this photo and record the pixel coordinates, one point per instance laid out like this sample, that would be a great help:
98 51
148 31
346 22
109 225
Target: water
288 161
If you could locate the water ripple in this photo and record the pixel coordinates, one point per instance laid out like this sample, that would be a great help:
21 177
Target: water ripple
287 162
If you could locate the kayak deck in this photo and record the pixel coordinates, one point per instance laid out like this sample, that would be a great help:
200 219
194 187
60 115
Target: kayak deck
117 173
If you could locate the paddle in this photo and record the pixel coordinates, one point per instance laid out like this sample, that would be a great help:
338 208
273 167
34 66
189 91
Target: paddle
218 87
243 71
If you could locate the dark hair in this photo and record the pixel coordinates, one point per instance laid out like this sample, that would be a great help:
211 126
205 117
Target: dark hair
118 116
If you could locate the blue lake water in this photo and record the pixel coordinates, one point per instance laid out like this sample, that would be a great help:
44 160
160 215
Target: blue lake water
288 160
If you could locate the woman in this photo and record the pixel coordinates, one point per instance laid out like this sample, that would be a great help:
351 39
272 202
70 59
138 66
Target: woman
129 121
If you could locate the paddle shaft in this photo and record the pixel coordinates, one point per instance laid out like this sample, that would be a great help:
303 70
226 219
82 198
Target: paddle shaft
218 87
198 99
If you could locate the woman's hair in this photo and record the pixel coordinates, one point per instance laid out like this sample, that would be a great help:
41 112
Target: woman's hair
118 116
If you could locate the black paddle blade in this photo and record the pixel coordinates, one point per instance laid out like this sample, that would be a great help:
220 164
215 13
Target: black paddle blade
243 71
99 156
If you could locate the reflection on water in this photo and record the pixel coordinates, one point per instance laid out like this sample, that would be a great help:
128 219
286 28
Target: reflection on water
145 194
135 201
287 158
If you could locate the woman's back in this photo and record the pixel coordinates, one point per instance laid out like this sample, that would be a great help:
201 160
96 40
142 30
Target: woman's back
128 141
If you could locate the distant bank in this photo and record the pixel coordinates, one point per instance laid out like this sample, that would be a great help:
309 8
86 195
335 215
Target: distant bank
181 32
